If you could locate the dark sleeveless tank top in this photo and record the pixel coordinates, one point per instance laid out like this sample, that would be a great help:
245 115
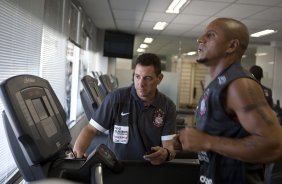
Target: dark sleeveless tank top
212 119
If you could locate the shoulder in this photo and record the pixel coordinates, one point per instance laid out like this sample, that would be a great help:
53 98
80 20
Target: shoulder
244 91
164 99
244 86
120 93
123 90
230 74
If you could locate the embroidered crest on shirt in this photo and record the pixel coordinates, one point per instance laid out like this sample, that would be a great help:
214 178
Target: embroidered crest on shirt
158 118
203 108
221 80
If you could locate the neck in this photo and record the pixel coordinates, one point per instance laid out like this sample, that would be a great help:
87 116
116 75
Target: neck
149 99
215 70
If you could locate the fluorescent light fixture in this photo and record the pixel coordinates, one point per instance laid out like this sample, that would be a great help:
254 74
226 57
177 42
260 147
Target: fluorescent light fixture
176 5
192 53
143 46
160 25
260 54
263 33
148 40
140 50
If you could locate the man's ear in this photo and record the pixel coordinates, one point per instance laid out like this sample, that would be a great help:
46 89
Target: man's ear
233 46
160 78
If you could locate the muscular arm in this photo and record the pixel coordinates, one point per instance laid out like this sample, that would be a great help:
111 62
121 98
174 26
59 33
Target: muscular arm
83 140
245 99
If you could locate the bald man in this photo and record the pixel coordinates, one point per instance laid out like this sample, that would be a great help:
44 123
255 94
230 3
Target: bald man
236 130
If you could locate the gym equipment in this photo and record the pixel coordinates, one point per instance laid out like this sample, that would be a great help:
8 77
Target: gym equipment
35 125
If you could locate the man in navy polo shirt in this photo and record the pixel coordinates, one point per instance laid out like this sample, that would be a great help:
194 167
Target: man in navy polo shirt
138 118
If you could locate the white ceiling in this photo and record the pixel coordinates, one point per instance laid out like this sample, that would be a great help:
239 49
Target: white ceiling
139 17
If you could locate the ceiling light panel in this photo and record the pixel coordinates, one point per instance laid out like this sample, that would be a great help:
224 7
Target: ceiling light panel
148 40
160 26
263 33
176 5
143 46
140 50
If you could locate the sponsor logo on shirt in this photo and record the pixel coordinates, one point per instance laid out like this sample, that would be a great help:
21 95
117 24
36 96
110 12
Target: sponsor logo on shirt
120 134
124 113
205 180
203 108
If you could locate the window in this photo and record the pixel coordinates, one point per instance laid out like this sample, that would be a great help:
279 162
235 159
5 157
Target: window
53 49
34 41
31 43
20 38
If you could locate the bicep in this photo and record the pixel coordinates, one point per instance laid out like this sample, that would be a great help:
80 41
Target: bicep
246 99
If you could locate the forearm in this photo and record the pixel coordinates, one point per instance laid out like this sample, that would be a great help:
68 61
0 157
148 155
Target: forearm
83 141
253 149
81 144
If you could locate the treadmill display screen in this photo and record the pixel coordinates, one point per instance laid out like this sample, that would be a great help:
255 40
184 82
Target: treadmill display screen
40 109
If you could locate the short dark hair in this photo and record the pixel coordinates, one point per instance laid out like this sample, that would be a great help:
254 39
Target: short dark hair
150 59
256 71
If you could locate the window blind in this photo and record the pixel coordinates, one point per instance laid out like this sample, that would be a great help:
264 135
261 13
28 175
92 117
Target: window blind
20 38
54 44
33 37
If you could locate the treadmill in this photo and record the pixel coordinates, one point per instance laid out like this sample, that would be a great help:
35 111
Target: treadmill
35 125
90 95
38 136
91 98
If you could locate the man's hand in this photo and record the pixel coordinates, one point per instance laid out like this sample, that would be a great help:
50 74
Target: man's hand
193 140
73 154
79 154
176 143
157 155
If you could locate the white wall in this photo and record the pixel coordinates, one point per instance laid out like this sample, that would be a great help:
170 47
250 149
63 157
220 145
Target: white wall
100 63
123 63
272 66
124 77
266 62
277 74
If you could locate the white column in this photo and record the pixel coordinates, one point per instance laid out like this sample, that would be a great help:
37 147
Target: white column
277 72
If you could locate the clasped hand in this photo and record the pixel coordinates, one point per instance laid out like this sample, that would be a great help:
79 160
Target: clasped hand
192 139
158 156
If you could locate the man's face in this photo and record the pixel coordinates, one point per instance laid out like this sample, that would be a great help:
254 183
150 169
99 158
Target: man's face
146 81
212 44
